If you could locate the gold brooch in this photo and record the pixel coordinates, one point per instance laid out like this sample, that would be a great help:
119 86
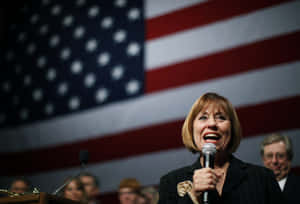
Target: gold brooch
186 187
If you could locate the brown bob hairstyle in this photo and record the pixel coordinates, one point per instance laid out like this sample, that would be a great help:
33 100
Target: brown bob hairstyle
132 183
200 103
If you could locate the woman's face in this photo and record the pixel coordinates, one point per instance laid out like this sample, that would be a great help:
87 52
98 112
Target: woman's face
73 192
127 196
212 125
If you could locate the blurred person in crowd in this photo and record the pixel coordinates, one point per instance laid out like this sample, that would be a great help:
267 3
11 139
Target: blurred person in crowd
142 199
91 186
212 119
74 190
129 189
151 193
20 185
277 154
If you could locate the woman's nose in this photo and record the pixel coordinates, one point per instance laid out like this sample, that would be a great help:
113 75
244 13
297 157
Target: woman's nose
211 122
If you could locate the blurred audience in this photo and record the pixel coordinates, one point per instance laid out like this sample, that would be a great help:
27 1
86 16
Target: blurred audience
151 193
91 186
20 185
142 199
277 154
74 190
129 189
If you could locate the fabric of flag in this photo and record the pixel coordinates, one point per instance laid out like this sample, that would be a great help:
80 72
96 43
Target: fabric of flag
59 60
118 79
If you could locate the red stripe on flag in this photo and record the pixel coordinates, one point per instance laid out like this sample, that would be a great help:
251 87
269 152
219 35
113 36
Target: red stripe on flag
240 59
273 116
257 119
202 14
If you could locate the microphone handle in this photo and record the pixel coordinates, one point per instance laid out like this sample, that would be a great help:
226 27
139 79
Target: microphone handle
208 163
209 160
62 186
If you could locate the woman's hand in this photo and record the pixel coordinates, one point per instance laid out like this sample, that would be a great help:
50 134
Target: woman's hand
204 179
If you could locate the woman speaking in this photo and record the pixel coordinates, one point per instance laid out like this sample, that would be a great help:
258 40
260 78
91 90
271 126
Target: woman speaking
212 119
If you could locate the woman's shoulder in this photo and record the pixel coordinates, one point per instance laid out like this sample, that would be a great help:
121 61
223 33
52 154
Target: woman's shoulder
178 172
253 168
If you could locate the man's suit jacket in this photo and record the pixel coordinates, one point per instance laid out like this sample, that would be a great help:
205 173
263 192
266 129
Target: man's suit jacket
245 183
291 189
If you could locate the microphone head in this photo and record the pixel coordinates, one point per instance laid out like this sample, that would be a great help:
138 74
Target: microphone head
209 148
83 156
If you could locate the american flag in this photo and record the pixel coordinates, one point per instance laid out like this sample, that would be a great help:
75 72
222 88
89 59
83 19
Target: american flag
118 77
55 44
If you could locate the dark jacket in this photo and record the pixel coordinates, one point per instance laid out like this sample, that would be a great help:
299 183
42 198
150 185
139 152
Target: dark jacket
291 189
245 184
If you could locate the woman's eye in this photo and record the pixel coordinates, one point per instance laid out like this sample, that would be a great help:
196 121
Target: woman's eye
221 117
203 117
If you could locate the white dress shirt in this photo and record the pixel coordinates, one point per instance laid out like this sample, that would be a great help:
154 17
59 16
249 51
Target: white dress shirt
282 183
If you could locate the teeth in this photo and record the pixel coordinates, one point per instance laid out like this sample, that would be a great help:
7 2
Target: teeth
211 135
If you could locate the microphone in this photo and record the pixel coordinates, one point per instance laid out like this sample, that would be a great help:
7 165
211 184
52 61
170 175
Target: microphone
208 151
83 158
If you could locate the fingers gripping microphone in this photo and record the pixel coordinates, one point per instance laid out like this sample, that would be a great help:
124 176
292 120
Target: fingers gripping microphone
208 152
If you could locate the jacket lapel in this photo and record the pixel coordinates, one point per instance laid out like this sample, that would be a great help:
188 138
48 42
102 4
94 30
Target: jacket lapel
235 174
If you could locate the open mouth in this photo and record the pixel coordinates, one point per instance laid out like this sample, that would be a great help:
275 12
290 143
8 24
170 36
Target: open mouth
211 138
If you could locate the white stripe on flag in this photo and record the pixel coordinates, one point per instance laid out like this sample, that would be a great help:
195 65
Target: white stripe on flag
154 8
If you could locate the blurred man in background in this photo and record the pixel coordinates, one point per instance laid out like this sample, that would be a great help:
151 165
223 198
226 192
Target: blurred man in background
151 193
91 187
277 154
